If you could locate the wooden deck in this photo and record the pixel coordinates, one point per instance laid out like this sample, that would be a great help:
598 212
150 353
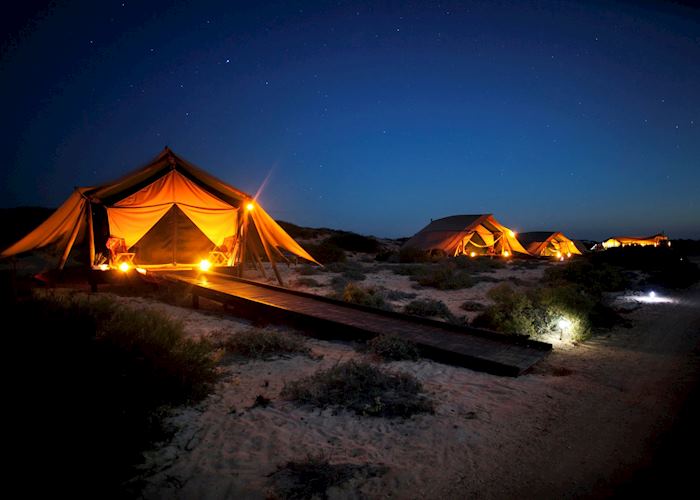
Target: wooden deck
477 349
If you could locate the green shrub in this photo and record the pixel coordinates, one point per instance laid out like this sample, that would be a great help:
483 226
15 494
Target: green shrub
308 270
106 372
370 296
353 242
445 277
665 266
310 282
399 295
478 264
538 312
413 255
362 388
354 275
393 347
264 343
325 252
312 477
593 278
387 256
472 305
338 283
428 308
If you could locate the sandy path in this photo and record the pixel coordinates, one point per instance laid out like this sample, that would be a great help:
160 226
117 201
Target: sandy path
537 436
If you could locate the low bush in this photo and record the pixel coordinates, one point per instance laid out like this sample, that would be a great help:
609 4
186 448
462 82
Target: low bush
362 388
310 282
428 308
478 264
353 242
593 278
264 343
664 265
393 347
312 477
354 275
413 255
370 296
399 295
325 252
539 312
472 305
308 270
106 373
445 277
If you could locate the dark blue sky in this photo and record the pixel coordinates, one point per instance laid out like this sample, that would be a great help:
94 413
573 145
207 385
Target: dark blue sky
370 116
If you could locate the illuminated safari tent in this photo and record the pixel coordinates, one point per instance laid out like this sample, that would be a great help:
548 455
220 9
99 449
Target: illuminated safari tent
471 235
624 241
548 244
167 213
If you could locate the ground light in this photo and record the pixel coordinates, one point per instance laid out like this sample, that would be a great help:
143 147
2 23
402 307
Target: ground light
652 294
204 265
472 254
564 326
124 267
506 253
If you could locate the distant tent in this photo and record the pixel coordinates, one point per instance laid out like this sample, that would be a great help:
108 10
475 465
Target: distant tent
548 244
466 235
166 213
624 241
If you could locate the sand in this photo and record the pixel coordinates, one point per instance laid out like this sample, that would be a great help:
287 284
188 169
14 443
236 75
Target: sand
579 425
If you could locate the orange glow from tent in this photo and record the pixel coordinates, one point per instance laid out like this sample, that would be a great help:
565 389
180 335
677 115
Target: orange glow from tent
249 207
204 265
473 254
124 267
506 253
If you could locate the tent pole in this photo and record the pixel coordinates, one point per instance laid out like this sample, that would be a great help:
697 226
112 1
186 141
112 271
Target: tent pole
91 234
272 260
69 246
244 242
258 262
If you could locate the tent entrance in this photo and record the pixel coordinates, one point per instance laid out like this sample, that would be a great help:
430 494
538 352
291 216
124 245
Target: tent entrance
174 239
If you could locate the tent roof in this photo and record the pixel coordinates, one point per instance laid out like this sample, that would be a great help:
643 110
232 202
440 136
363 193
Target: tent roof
70 218
535 236
445 233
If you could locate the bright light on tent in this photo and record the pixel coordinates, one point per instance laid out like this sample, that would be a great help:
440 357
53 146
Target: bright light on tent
204 265
568 255
141 270
124 267
564 324
472 254
558 254
104 267
506 253
512 234
249 207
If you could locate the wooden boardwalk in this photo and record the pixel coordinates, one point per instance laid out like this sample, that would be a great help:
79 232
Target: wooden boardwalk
477 349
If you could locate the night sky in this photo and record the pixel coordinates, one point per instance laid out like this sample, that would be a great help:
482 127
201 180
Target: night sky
373 117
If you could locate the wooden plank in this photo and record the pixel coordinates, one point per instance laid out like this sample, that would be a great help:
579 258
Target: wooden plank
480 350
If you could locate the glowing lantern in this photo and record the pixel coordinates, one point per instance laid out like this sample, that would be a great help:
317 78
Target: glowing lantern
249 207
141 270
512 234
204 265
472 254
124 267
652 294
568 255
561 259
558 254
104 267
506 253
